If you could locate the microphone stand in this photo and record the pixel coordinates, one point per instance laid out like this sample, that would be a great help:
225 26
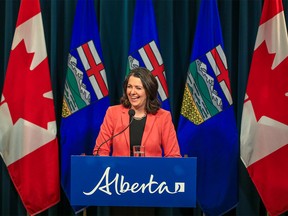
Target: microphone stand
131 113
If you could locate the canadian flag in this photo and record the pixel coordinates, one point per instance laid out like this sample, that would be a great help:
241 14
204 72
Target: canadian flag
28 143
264 129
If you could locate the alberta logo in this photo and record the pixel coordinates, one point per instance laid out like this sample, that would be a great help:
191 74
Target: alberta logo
120 186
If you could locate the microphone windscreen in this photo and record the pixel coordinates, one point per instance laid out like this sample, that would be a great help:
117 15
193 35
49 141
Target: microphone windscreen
131 112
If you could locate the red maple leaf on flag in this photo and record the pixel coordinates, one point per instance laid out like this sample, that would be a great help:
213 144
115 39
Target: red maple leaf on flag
26 92
268 93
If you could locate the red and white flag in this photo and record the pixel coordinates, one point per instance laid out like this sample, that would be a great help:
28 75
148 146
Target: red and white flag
28 143
264 129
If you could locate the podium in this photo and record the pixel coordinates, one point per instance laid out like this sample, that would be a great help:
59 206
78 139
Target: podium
133 181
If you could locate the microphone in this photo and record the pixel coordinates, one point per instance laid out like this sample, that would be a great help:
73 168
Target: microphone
131 113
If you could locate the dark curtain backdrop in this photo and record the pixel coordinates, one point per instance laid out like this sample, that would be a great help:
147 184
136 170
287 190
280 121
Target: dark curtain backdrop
176 23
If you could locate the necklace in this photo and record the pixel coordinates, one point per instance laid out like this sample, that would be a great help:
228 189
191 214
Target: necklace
139 118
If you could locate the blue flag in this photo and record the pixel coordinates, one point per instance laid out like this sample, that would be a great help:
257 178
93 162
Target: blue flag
144 48
207 126
85 98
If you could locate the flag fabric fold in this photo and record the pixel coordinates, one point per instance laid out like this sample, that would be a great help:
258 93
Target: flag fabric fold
86 98
28 142
207 126
264 126
145 50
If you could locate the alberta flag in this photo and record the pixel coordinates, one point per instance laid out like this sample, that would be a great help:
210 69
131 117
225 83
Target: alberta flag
28 142
207 126
145 50
86 91
264 126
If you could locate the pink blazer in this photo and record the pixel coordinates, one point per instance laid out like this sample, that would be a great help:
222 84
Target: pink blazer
159 132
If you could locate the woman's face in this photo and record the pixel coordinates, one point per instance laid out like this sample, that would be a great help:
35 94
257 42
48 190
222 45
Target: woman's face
136 93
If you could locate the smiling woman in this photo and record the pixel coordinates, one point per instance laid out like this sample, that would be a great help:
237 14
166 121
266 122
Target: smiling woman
139 94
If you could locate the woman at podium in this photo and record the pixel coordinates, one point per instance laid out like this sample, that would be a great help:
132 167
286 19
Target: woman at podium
138 120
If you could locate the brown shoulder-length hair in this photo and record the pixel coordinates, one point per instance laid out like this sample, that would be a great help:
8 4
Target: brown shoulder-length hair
150 85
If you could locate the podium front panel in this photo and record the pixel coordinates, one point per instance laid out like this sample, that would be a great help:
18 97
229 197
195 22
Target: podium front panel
133 181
